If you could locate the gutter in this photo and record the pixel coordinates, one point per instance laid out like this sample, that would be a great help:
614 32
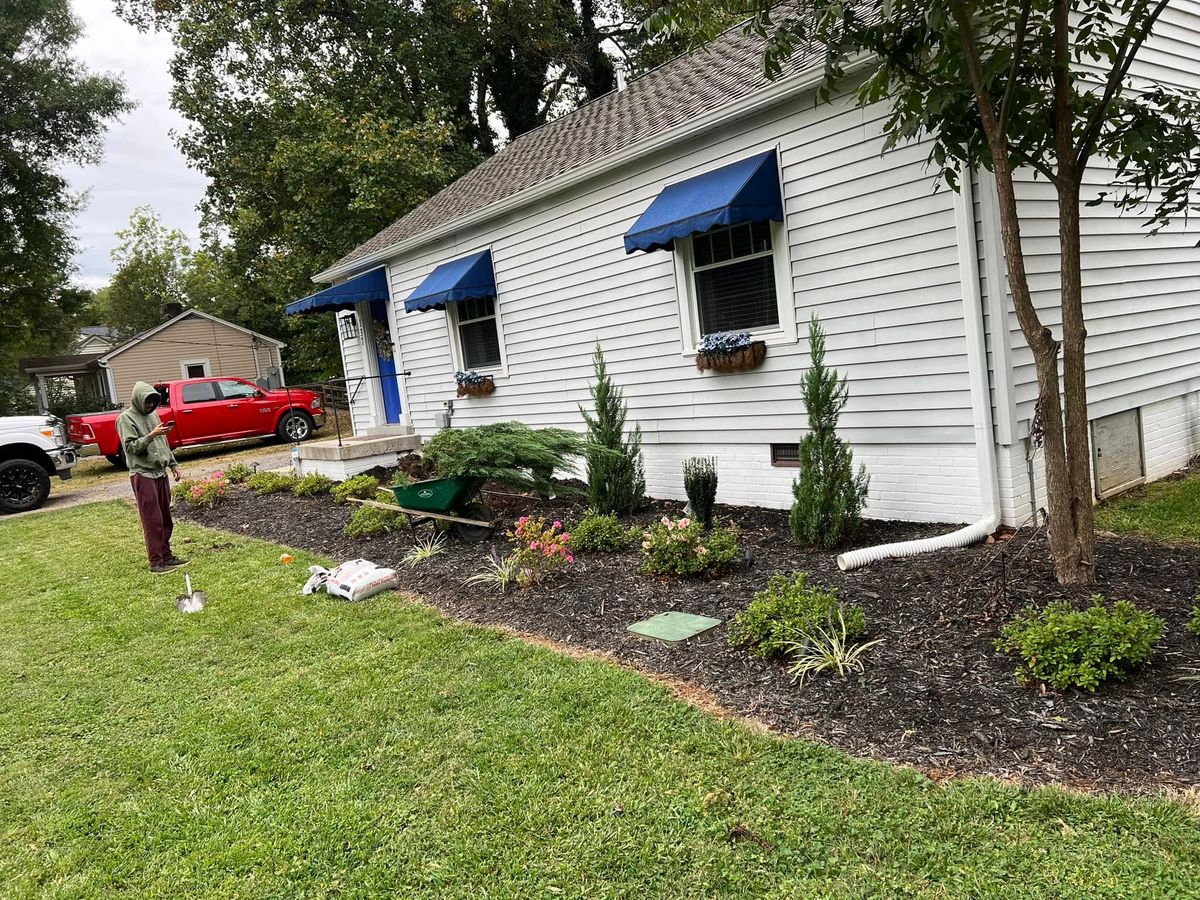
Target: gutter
773 94
981 403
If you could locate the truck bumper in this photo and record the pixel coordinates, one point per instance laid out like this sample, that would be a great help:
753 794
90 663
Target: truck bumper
64 460
318 419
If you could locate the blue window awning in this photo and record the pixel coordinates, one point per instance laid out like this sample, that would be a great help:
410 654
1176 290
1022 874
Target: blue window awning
744 191
462 279
371 285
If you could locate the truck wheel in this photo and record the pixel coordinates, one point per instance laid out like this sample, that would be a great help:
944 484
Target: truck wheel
295 425
117 459
24 485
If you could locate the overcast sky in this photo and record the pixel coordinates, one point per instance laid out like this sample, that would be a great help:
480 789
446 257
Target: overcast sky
140 163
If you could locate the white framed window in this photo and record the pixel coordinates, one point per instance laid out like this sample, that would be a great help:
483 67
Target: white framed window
475 333
736 278
195 368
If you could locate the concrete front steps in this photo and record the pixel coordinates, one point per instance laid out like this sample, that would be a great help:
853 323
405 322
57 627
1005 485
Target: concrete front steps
342 459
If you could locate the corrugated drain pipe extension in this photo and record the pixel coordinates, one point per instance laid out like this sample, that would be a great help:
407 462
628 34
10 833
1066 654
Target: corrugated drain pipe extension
981 402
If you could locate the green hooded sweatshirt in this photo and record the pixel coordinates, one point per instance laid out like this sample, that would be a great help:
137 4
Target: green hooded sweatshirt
143 455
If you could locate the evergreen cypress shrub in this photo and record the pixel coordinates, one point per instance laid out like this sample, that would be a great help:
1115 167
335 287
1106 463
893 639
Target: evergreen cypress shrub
700 485
829 495
615 473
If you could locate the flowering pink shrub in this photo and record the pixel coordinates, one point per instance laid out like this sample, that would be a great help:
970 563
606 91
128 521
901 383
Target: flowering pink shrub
681 547
542 549
208 491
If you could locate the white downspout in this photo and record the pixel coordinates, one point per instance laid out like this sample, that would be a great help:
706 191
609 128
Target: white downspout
981 403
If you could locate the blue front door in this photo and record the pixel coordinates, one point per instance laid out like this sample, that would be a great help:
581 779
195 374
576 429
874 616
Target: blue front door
387 366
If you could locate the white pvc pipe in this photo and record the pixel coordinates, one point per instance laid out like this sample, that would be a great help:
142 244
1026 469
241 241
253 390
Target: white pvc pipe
981 403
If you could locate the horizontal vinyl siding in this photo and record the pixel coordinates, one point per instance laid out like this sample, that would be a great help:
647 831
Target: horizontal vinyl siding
228 350
1141 292
872 251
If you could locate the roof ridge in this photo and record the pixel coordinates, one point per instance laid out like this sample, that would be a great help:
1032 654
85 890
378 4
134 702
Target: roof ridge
683 88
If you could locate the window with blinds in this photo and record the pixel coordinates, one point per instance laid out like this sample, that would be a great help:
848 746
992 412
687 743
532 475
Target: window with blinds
734 272
478 338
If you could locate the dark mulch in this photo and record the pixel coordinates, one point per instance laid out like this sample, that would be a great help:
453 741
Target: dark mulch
935 694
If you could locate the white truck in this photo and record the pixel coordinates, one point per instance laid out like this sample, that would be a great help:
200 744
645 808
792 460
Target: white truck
32 450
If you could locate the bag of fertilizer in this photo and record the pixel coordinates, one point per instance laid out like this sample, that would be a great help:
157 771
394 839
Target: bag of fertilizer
355 580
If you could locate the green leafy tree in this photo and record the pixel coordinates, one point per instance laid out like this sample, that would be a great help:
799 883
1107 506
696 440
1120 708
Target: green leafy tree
151 263
52 112
829 494
1003 85
615 472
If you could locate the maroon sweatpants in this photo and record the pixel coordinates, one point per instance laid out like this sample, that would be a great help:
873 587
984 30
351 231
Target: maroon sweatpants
153 496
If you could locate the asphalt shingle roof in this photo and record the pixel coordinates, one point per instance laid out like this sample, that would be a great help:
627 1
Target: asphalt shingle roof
671 95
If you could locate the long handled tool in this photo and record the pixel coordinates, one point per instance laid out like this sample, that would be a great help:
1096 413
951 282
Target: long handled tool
192 601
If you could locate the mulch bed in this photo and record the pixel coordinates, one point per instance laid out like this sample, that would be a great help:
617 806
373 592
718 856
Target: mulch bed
935 694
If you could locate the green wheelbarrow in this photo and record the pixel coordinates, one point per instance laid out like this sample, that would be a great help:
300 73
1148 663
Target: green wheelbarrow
453 500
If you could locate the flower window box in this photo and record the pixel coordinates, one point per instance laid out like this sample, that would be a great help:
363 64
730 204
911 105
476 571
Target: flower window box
730 351
472 384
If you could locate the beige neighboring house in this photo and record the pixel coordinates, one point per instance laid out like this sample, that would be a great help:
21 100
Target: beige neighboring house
192 344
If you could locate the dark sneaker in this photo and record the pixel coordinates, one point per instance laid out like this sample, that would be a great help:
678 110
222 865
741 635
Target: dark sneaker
176 561
164 568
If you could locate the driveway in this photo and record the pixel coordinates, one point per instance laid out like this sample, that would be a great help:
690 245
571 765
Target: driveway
96 479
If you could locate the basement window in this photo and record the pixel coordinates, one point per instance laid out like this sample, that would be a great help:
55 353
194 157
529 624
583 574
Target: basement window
785 455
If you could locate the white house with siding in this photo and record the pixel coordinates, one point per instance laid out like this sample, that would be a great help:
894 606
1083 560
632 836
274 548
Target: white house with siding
906 276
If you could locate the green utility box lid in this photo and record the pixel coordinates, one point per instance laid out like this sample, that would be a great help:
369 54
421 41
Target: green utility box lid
674 627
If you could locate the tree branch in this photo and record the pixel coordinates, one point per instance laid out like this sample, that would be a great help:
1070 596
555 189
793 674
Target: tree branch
1126 54
1018 48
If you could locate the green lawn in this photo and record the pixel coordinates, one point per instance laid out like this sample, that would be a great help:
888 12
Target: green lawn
286 746
1164 510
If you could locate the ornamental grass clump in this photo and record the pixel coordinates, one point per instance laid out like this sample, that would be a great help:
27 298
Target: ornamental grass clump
788 611
542 549
207 491
615 473
602 533
360 487
271 482
681 547
1065 647
507 452
700 485
829 495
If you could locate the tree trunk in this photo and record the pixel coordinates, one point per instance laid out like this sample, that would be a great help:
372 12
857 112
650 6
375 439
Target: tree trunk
1062 500
1072 534
1071 522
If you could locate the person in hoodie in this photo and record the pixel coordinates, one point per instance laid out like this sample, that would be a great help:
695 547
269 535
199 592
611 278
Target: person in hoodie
144 440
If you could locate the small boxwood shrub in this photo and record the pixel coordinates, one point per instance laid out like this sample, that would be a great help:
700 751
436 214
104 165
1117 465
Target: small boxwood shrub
270 482
787 611
1193 624
1065 647
360 487
238 473
602 533
368 521
681 547
311 485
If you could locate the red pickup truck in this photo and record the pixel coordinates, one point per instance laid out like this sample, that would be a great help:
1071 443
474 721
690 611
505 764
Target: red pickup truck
208 411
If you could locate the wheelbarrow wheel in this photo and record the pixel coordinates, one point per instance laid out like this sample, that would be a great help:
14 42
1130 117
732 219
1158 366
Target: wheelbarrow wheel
473 534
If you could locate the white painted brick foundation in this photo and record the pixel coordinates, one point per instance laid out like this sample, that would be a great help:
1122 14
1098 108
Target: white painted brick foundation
1170 439
927 483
